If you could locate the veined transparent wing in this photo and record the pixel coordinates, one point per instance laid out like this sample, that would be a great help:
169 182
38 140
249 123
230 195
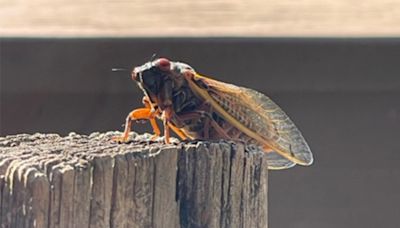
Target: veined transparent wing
262 120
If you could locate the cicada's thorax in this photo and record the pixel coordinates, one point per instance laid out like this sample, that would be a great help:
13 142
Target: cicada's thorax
189 110
170 89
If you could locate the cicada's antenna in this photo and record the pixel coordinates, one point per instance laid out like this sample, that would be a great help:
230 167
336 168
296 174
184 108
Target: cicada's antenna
119 70
123 70
153 57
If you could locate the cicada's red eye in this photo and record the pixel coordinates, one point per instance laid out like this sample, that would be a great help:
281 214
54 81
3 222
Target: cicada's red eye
164 64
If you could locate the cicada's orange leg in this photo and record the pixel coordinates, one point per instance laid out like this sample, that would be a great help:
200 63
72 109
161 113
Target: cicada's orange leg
138 114
178 131
147 113
166 117
153 122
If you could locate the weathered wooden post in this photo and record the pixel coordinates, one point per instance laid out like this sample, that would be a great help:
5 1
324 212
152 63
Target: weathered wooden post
89 181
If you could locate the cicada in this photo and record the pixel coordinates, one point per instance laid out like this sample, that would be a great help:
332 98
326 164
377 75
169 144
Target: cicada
198 107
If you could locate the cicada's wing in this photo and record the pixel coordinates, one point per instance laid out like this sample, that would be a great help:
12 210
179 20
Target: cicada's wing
277 161
284 137
260 118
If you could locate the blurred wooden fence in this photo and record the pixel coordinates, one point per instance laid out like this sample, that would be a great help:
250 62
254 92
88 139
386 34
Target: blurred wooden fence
200 18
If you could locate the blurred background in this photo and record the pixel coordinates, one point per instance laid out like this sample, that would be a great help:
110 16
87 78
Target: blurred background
333 66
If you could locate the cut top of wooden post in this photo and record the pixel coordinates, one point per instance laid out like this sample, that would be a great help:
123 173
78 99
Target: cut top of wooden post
90 181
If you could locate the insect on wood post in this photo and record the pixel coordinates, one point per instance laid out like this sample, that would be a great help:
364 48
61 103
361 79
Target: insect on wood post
198 107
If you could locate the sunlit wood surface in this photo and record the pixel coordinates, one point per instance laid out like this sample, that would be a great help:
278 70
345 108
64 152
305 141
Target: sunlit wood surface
200 18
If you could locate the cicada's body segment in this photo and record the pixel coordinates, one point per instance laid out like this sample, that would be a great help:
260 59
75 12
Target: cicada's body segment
197 107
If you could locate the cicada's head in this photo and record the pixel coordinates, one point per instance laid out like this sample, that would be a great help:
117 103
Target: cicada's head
152 75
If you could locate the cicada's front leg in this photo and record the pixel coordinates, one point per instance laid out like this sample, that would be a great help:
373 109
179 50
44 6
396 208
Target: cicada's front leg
166 105
147 113
154 114
166 117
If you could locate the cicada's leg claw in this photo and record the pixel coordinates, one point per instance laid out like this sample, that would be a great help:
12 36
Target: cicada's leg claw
154 137
120 139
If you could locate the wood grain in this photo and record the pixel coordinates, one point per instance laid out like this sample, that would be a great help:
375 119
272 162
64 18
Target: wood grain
200 18
89 181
